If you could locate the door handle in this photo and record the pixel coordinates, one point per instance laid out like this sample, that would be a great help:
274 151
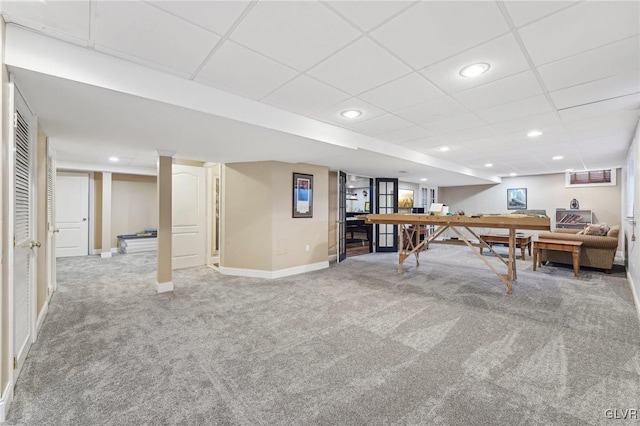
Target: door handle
84 219
33 244
56 230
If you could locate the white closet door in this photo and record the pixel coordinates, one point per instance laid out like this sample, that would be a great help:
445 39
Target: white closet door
24 246
72 214
188 216
51 218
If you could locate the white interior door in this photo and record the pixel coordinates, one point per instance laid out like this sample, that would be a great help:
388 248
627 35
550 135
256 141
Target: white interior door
51 219
72 214
23 271
188 216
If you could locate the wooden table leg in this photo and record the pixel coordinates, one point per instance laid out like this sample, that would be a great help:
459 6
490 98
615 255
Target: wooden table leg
576 260
535 257
529 246
522 250
512 255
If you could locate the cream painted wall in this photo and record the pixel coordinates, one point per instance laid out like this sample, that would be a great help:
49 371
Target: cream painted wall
4 282
294 234
245 217
546 192
258 232
134 204
333 214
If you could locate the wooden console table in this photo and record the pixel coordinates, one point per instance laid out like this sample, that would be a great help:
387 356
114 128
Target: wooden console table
559 245
521 241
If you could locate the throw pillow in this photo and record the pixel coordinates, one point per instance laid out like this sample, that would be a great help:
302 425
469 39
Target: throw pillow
599 229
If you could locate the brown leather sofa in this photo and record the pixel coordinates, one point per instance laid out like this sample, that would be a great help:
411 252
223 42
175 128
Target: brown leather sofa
596 251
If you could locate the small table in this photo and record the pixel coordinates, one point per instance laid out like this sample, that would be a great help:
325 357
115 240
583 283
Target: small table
559 245
521 241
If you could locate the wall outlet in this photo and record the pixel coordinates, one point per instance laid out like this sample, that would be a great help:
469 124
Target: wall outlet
306 248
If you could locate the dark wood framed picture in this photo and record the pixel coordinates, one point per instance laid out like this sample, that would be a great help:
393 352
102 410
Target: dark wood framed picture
516 198
302 195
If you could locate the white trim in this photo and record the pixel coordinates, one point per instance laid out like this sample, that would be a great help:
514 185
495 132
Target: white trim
164 287
105 255
92 211
75 166
256 273
636 299
5 402
42 316
332 258
619 259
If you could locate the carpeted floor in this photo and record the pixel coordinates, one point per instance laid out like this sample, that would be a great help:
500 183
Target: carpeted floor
354 344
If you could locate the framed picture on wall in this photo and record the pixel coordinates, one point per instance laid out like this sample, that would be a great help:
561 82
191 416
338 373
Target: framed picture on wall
405 198
516 198
302 195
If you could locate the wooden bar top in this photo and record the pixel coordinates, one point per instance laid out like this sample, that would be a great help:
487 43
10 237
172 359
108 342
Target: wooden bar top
508 221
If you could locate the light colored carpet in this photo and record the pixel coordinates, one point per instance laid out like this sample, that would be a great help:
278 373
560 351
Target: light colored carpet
353 344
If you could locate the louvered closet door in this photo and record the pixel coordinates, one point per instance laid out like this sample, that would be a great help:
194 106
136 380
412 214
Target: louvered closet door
23 252
51 219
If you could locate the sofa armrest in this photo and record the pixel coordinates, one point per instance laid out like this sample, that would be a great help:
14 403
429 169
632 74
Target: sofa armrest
595 241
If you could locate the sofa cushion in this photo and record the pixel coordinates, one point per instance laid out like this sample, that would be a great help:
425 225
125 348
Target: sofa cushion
600 229
614 231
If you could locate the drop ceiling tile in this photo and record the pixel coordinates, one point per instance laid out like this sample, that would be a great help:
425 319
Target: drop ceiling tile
579 28
305 96
434 110
142 31
550 135
623 103
216 16
233 68
523 12
431 31
605 125
432 143
402 93
503 55
491 145
71 18
518 109
526 124
592 65
600 90
469 134
508 89
406 134
368 14
455 123
379 125
332 113
298 34
359 67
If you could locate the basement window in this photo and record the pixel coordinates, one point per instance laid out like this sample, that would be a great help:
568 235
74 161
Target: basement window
605 177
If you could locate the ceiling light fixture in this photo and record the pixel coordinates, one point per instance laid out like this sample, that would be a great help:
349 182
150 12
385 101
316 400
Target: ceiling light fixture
114 159
423 179
475 70
488 165
534 133
557 157
351 113
444 148
513 174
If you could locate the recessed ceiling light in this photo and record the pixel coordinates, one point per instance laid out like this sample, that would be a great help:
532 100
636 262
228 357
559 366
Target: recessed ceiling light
351 113
488 165
534 133
114 159
423 179
557 157
513 174
350 186
568 170
474 70
444 148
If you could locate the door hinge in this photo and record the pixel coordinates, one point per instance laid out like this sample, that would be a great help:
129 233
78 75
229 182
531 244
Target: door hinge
15 362
14 241
15 119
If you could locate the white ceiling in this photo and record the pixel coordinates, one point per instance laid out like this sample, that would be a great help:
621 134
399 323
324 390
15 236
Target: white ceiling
568 69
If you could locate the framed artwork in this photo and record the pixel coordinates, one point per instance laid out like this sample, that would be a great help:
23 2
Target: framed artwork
367 206
516 198
302 195
405 198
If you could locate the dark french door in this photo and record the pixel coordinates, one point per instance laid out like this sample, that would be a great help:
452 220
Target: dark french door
342 216
386 203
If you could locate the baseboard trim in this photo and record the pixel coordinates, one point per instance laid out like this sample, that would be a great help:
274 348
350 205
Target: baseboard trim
333 258
41 317
619 258
256 273
105 255
164 287
5 401
636 300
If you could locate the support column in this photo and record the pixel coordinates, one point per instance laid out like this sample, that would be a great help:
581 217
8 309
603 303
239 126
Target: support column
164 280
106 215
